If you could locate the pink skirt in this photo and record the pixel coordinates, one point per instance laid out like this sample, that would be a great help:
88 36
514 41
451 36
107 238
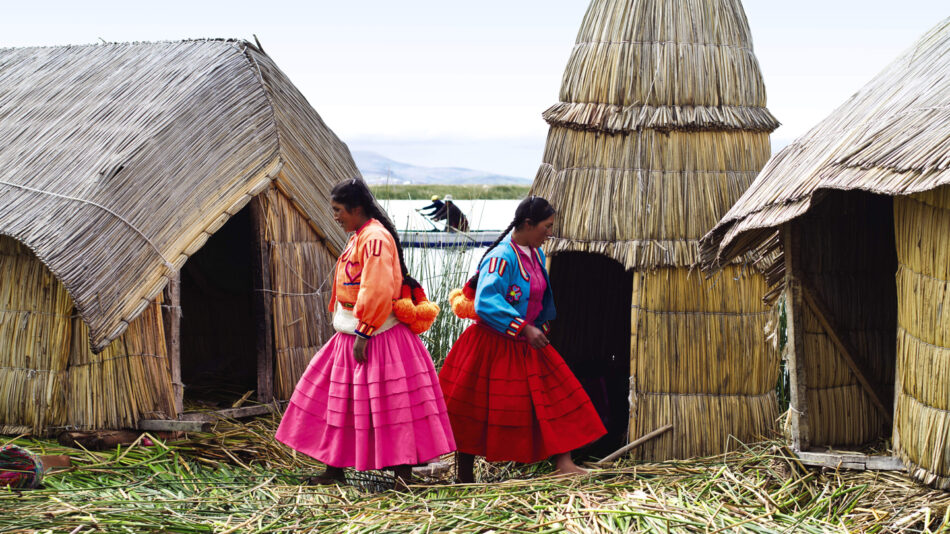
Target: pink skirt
385 412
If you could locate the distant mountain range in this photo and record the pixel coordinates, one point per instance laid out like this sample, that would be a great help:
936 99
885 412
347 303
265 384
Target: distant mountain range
377 169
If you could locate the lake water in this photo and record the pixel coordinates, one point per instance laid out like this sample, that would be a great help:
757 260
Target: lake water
439 270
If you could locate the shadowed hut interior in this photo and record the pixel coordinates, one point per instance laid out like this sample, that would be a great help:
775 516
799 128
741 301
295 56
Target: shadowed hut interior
660 127
853 223
601 363
218 334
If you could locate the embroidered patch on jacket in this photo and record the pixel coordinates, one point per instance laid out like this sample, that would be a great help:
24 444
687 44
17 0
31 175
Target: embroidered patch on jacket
353 271
373 247
497 264
514 294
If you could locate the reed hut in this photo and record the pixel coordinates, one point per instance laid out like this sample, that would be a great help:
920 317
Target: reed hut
857 202
660 127
165 231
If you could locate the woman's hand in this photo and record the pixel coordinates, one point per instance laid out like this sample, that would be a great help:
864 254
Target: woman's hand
359 349
535 336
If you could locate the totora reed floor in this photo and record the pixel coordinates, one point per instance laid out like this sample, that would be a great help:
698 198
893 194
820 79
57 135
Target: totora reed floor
238 479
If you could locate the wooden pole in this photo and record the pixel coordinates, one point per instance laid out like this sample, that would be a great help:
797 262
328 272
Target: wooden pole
263 302
633 445
172 323
795 346
827 320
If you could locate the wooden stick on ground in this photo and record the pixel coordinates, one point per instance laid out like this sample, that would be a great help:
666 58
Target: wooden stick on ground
633 445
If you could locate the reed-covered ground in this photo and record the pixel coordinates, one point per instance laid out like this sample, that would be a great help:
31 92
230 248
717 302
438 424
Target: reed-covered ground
238 479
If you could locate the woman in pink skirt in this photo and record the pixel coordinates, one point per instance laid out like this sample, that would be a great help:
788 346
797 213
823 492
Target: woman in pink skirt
370 398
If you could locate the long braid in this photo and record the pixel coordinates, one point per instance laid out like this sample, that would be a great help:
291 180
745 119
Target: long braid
534 208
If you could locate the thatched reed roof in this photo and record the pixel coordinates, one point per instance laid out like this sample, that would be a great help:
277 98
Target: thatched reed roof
661 126
892 137
663 64
117 161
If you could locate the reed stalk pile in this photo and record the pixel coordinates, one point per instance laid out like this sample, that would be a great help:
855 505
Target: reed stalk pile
238 478
661 127
922 417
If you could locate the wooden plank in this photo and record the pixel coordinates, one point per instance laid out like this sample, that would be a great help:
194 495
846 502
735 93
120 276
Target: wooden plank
827 320
860 462
262 302
173 426
230 413
172 323
795 344
633 445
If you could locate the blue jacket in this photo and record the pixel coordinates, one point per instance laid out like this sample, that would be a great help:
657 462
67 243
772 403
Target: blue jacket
501 298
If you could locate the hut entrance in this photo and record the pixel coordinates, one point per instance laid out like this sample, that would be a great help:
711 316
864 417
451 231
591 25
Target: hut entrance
592 333
218 332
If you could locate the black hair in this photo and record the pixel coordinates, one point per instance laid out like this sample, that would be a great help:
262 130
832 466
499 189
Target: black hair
354 193
534 209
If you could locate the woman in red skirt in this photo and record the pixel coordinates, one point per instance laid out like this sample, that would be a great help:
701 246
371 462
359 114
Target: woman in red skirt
509 394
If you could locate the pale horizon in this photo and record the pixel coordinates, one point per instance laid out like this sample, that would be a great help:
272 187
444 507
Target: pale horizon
451 85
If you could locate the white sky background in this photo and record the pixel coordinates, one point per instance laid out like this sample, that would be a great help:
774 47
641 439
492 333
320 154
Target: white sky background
448 83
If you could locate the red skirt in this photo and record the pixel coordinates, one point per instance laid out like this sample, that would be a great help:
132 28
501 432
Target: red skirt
508 401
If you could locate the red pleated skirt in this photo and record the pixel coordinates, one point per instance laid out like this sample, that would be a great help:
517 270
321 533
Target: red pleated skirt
508 401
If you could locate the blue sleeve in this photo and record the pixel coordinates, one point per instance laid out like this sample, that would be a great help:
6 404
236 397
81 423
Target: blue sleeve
494 279
548 312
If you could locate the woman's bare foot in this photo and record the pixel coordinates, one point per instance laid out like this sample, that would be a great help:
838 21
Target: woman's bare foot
566 466
331 475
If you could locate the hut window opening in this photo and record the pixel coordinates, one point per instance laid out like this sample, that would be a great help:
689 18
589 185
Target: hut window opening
592 333
218 334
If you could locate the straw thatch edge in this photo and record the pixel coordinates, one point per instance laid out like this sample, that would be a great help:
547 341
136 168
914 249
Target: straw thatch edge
615 118
641 254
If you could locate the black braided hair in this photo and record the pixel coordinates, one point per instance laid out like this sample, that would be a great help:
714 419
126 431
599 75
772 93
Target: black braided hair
534 209
354 192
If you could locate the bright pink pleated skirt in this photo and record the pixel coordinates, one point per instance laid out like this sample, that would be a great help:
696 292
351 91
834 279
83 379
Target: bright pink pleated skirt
385 412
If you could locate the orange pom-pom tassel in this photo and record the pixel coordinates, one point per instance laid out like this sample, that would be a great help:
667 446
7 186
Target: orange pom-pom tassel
454 293
405 311
427 311
419 327
464 308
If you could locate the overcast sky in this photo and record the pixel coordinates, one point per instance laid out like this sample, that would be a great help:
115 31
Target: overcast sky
446 83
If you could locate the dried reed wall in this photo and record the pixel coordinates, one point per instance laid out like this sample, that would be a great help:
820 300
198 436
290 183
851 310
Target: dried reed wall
661 127
50 378
847 256
700 360
301 267
922 417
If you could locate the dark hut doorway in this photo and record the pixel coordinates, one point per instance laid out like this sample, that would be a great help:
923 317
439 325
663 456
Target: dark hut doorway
219 358
592 333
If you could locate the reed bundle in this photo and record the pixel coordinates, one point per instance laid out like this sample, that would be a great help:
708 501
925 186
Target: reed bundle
645 198
48 374
661 127
889 138
301 270
35 328
123 172
701 360
922 418
127 381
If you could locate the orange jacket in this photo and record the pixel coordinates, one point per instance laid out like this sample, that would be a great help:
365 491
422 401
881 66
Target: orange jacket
367 278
